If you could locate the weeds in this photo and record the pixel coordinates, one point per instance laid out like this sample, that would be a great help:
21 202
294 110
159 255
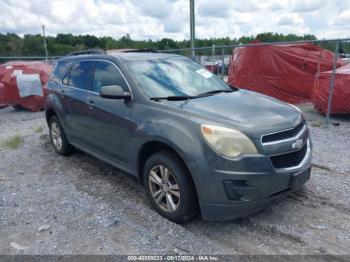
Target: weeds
316 124
38 129
13 142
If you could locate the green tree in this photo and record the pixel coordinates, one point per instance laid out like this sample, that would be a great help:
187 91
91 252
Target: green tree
61 44
33 45
167 43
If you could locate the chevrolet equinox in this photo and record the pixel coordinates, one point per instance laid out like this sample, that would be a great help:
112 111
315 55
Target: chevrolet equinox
198 145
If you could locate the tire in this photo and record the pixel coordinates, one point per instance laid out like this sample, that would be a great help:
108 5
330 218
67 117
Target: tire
183 204
58 137
19 108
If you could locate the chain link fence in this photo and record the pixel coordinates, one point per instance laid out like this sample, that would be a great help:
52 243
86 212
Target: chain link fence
314 75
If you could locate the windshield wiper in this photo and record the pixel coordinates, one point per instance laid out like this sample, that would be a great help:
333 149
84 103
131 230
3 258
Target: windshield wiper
186 97
212 92
172 98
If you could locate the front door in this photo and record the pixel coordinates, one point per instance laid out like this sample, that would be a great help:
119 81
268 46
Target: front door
110 123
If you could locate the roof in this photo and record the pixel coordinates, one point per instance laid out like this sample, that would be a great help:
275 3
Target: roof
123 56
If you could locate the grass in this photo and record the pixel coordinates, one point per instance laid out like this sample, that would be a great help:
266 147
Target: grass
13 142
38 129
316 124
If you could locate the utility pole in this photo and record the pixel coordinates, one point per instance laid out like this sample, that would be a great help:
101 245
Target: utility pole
192 25
45 44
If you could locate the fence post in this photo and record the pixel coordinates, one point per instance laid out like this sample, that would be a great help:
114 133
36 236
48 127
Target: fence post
223 62
331 84
212 60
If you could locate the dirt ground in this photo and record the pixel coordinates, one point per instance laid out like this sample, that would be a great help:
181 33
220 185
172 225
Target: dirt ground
79 205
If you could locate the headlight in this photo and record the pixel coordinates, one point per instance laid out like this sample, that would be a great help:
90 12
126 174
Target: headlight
297 108
227 142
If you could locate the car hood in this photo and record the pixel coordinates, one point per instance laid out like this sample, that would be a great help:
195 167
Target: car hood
247 111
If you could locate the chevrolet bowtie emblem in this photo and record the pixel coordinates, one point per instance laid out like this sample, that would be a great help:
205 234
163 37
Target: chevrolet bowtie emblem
298 144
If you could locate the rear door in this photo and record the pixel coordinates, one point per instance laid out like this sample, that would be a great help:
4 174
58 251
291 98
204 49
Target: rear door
77 100
54 85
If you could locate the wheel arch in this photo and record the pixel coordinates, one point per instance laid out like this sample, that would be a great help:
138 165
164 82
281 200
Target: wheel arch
49 113
151 147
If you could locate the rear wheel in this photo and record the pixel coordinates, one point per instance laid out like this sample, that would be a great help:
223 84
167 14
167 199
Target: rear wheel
169 187
58 137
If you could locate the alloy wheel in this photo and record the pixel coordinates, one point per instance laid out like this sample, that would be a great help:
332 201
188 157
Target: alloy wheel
164 188
56 136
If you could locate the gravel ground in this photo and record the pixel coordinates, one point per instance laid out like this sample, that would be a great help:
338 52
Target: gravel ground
78 205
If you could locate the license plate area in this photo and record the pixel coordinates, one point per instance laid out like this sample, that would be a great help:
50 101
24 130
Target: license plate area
299 179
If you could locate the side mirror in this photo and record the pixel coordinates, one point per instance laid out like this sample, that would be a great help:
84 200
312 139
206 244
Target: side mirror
114 92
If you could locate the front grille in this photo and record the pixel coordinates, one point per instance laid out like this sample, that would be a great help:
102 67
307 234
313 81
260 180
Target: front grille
289 159
283 134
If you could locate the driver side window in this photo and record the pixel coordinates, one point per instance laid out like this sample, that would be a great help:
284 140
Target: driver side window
106 74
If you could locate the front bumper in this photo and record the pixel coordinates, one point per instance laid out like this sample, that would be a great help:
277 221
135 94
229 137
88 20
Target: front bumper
233 188
246 199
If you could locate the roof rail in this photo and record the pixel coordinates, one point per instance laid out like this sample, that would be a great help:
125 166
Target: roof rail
131 50
87 52
146 50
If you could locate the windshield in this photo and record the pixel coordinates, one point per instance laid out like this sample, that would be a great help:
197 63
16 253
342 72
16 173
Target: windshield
174 77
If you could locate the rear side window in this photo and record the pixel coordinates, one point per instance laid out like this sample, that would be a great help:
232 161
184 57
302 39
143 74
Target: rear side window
80 75
107 74
58 71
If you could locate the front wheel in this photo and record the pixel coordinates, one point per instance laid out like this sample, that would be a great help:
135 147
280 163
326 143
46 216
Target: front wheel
58 137
169 187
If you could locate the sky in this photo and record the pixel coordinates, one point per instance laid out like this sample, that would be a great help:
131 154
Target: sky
156 19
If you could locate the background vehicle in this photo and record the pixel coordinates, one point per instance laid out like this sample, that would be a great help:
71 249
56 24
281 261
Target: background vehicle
286 72
212 66
21 84
196 143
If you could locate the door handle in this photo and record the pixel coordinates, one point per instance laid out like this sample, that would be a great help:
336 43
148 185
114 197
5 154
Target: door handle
62 91
91 102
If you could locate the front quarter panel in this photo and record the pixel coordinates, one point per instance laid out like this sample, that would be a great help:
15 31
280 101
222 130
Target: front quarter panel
176 132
